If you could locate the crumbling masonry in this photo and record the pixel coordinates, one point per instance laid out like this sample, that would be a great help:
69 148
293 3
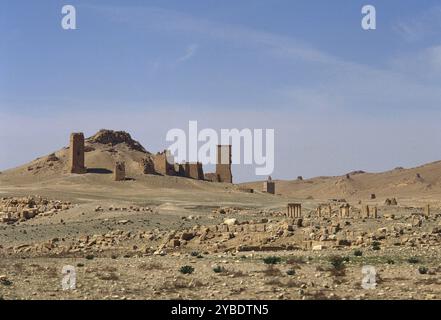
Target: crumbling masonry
194 170
119 174
269 186
294 210
76 153
223 166
164 164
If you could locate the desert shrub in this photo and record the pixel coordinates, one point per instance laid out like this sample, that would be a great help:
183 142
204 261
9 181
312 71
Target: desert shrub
89 257
186 270
413 260
358 253
218 269
376 245
338 265
423 270
272 260
5 282
291 272
390 261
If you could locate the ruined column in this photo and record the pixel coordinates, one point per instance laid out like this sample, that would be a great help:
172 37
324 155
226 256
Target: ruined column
345 211
375 213
427 210
119 174
76 153
223 166
366 211
294 210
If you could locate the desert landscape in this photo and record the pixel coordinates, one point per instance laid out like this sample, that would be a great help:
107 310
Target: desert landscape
134 226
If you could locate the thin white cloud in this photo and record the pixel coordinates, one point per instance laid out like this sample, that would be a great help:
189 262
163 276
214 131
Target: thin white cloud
190 51
156 19
420 26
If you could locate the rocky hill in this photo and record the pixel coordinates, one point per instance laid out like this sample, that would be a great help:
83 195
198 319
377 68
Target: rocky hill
422 182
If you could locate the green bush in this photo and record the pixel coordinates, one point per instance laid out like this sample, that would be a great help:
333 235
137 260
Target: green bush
272 260
5 282
337 262
186 270
338 267
413 260
218 269
376 245
423 270
291 272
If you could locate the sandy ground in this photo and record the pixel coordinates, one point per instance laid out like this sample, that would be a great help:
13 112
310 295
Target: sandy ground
133 268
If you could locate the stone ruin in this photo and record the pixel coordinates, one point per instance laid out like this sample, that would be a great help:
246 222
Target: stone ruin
119 174
345 210
19 209
76 153
391 202
269 186
321 212
427 210
194 170
294 210
368 212
163 163
223 166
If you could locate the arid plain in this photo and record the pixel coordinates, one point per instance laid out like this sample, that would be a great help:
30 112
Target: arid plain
155 236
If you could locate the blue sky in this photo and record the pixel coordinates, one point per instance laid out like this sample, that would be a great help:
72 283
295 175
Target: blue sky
339 98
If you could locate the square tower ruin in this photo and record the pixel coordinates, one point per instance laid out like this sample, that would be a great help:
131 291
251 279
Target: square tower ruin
194 170
119 174
163 163
223 166
269 186
76 153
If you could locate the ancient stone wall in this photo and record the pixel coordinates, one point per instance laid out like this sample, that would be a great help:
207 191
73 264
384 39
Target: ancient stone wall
164 164
223 166
269 186
76 154
147 165
119 174
194 171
